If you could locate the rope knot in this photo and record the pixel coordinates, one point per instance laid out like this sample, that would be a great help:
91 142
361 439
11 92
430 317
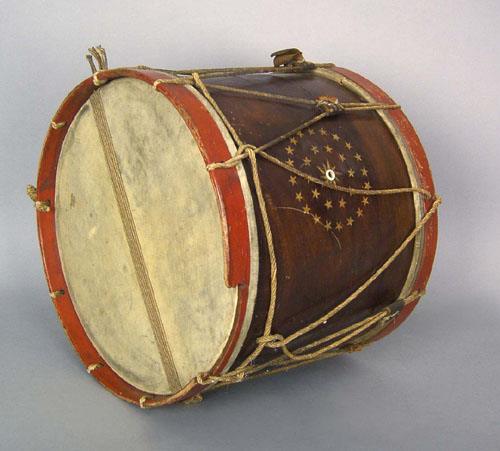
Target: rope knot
329 105
271 341
244 149
203 379
40 205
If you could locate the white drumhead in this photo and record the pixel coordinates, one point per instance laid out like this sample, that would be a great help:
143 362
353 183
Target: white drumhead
174 208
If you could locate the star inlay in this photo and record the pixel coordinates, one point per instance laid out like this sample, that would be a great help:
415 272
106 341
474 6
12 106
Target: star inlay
350 221
293 180
342 203
299 197
315 193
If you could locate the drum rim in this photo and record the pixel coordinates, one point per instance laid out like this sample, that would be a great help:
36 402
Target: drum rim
234 224
405 130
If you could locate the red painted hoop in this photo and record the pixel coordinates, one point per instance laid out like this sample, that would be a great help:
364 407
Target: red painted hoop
425 178
231 204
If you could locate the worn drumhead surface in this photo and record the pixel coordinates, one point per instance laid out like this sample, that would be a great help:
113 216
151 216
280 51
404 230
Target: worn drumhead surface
177 228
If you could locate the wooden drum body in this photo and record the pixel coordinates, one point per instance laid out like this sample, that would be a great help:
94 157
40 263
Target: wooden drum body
173 274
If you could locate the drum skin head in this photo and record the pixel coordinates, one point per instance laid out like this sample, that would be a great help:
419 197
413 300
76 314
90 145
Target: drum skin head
213 282
178 227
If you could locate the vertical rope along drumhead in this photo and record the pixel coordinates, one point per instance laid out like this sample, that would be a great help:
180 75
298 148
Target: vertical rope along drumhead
202 227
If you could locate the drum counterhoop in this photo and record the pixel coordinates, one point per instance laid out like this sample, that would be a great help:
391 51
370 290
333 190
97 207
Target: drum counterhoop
203 227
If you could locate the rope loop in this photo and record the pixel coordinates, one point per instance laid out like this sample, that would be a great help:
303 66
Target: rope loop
40 205
97 81
142 401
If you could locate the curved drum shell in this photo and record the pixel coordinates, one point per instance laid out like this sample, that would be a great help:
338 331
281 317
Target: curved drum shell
327 243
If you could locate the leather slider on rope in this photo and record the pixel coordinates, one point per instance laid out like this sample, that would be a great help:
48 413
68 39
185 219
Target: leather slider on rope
233 377
329 105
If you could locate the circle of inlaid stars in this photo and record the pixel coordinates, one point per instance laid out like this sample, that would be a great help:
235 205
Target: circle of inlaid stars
338 149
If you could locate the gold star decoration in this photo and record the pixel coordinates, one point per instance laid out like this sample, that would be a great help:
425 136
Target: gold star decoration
355 207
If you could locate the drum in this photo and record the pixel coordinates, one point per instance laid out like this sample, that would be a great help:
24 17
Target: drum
203 227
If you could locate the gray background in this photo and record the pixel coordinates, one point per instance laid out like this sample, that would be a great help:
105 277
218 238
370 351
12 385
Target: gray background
433 384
